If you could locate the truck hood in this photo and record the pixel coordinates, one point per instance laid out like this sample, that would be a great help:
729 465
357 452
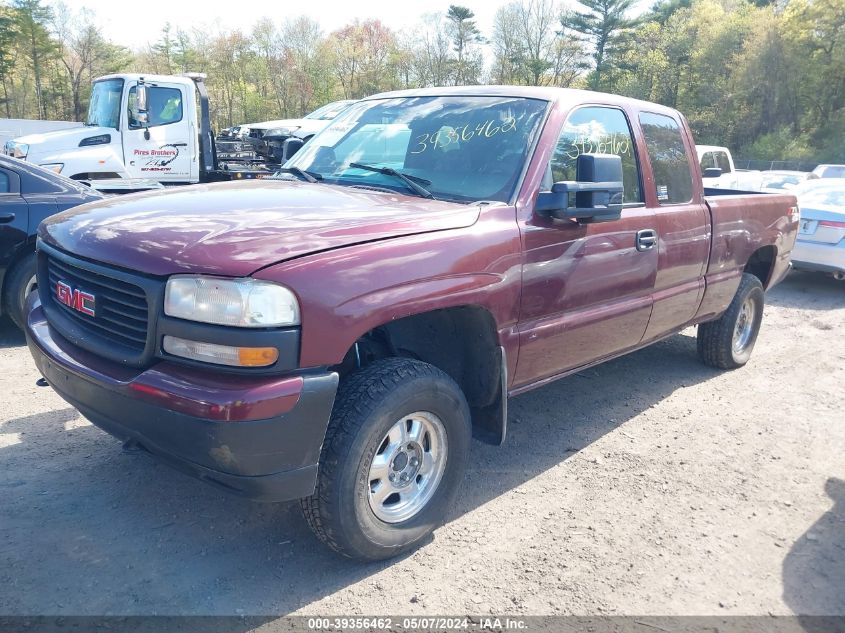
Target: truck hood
60 140
237 228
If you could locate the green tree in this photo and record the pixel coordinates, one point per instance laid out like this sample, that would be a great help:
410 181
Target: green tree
8 35
465 34
32 22
600 24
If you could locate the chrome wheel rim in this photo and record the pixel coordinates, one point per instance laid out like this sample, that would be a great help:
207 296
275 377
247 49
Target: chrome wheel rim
407 468
744 325
31 285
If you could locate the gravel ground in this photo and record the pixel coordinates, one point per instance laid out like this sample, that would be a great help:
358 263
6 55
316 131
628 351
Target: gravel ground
648 485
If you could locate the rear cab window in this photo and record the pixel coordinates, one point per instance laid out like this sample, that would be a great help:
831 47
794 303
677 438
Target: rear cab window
668 156
595 130
5 186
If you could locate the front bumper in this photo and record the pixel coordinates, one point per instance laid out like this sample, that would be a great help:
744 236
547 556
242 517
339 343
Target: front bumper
259 437
819 256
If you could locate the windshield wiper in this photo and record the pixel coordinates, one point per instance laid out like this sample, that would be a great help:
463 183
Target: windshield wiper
411 181
308 176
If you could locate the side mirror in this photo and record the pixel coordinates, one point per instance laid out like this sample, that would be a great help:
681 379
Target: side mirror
139 108
290 147
712 172
141 96
598 191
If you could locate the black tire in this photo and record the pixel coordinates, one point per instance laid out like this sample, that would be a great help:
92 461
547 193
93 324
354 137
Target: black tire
369 402
716 338
15 289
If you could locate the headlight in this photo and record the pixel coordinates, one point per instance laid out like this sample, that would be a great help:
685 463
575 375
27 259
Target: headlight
237 302
18 150
54 167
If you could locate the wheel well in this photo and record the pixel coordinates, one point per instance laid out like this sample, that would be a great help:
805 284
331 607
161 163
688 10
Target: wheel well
95 175
23 251
761 263
462 341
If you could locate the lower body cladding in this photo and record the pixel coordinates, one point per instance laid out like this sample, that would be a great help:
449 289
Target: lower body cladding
259 437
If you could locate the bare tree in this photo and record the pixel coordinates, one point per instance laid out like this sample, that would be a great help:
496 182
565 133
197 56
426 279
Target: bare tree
85 53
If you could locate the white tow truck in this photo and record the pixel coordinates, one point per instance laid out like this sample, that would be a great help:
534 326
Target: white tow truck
141 132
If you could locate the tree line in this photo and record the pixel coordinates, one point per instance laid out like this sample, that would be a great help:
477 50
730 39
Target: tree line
765 77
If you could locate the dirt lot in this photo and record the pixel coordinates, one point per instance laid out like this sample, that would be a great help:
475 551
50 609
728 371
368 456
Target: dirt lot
648 485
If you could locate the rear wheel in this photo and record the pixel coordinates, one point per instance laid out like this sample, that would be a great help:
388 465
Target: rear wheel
728 341
20 281
393 457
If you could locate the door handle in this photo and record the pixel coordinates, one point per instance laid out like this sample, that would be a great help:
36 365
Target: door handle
646 239
6 217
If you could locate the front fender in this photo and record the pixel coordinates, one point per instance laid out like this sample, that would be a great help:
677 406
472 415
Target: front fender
346 293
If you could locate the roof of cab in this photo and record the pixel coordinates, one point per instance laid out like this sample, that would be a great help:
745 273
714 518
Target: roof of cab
149 77
546 93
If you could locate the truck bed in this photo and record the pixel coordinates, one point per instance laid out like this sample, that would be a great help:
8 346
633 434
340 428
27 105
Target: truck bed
742 223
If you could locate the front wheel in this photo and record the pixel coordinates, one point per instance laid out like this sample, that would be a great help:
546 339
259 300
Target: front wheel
727 342
393 457
20 282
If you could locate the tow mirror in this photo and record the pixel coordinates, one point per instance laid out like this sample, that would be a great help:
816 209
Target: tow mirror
138 110
712 172
290 147
598 191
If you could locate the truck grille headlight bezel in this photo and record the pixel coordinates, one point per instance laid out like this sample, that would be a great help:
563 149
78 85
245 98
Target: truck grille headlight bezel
235 302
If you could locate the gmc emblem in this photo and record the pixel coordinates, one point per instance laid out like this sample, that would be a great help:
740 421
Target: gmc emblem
76 299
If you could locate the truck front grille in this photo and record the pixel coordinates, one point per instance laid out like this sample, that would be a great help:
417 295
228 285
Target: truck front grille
115 323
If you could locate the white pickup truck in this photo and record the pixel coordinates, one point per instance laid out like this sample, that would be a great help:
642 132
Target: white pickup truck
141 132
719 172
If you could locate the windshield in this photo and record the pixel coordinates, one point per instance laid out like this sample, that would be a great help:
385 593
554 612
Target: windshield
104 109
466 148
328 111
782 181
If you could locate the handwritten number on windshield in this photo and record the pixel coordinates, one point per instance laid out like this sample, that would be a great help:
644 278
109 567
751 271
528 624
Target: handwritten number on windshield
447 135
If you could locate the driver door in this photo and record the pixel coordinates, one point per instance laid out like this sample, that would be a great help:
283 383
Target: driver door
587 287
162 150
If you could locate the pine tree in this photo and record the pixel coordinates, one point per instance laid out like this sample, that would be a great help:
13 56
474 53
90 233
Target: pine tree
464 33
600 24
32 20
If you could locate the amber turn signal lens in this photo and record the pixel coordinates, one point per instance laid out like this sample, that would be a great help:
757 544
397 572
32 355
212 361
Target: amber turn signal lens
221 354
257 356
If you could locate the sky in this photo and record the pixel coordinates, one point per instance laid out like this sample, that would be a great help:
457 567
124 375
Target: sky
143 22
135 23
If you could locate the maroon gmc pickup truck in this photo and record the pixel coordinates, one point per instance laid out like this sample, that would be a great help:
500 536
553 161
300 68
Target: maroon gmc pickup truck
338 333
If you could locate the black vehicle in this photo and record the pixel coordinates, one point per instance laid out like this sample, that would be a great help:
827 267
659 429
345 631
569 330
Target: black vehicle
28 194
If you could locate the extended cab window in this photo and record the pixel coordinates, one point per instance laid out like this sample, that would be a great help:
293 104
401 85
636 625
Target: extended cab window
596 130
164 106
668 156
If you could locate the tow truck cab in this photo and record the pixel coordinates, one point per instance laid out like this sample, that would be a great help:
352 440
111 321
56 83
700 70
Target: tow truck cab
139 127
